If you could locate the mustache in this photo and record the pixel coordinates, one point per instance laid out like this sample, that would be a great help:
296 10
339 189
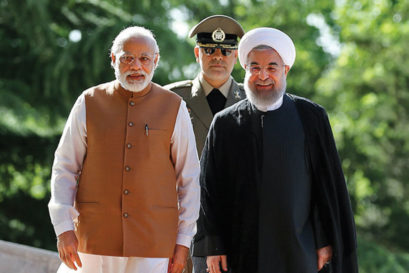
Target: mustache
267 82
140 72
217 62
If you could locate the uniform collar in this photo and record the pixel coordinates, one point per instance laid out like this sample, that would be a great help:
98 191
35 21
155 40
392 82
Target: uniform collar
207 88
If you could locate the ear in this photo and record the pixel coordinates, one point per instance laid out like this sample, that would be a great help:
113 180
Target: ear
155 61
287 68
196 50
113 58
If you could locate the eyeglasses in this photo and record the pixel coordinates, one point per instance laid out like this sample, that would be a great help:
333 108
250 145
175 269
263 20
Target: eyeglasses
210 50
256 69
130 59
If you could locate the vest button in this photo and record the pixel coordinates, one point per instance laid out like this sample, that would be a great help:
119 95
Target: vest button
127 168
130 124
125 215
132 103
126 192
129 145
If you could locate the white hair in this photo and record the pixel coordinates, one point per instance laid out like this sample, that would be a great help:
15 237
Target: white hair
132 32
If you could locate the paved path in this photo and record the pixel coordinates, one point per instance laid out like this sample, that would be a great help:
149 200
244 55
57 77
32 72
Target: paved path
15 258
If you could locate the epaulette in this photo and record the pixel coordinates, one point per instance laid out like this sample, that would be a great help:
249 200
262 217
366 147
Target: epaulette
181 84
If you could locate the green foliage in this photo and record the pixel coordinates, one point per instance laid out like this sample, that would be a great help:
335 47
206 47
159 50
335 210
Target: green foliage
366 91
53 50
375 258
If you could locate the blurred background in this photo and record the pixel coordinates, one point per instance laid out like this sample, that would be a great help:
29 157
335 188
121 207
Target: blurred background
352 58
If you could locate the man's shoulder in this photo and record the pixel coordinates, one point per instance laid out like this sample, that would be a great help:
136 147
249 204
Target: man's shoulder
239 84
306 104
182 88
176 86
163 91
106 87
311 113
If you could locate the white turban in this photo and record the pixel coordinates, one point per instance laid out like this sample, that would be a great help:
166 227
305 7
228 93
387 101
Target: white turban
272 37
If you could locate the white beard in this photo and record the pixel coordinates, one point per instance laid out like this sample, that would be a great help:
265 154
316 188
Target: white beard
262 103
135 86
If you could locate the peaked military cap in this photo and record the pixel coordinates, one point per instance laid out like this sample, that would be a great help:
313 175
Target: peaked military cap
219 31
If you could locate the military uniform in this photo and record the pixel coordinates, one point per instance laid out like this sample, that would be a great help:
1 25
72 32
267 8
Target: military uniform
215 36
193 94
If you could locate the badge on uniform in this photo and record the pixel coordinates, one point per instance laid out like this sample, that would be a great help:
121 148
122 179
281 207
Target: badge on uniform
237 94
218 35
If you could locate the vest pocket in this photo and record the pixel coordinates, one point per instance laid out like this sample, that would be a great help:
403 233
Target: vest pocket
154 131
164 207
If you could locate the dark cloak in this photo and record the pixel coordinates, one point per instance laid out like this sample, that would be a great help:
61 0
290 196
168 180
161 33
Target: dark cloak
231 169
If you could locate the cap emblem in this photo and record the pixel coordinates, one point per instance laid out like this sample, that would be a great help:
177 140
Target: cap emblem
218 35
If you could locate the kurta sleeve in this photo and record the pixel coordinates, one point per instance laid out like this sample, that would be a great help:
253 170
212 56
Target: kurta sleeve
67 166
186 162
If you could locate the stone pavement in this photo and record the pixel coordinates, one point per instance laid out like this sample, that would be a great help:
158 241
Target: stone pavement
16 258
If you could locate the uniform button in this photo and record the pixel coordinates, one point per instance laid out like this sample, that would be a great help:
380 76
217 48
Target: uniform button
126 192
130 124
132 103
129 145
127 168
125 215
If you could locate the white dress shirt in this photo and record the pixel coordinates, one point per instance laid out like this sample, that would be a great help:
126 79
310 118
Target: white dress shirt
69 158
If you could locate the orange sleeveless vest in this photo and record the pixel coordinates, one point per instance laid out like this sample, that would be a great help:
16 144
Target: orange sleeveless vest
126 193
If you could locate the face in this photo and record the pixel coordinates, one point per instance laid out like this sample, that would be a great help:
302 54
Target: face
135 64
216 68
266 75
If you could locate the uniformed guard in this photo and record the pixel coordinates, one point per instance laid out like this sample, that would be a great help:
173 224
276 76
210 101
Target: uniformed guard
214 88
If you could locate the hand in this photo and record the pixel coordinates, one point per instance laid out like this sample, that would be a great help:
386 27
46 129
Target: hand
67 245
324 255
178 261
213 263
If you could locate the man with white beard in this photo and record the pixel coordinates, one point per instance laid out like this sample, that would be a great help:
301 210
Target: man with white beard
124 185
274 198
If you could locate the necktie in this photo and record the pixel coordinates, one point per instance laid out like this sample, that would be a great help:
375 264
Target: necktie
216 100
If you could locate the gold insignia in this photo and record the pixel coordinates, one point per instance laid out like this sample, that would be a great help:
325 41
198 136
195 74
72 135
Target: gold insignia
218 35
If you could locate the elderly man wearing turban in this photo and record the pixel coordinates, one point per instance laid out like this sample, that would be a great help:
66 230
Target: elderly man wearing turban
274 198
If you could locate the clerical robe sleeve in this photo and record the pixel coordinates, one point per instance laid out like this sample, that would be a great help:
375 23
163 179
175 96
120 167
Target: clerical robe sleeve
209 239
320 235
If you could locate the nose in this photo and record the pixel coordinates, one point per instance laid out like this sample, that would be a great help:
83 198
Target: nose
135 65
263 75
217 54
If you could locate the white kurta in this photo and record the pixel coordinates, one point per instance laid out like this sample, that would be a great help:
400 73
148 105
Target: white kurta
108 264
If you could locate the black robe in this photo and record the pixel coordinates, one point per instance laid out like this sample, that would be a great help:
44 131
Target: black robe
231 165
